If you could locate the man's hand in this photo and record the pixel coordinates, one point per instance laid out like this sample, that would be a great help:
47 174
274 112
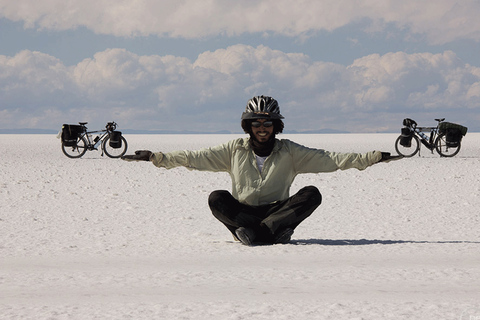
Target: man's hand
140 155
387 157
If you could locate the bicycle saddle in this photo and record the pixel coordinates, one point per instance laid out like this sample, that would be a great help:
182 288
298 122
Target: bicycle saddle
82 123
440 120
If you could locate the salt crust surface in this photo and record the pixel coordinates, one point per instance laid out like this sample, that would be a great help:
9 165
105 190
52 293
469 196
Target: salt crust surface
99 238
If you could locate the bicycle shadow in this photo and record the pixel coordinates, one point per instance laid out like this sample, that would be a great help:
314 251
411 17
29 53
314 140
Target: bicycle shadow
365 242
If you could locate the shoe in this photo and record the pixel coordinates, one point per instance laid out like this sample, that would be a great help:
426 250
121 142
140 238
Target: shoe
235 237
284 236
245 235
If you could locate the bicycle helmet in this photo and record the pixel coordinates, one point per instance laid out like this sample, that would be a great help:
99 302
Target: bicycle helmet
262 107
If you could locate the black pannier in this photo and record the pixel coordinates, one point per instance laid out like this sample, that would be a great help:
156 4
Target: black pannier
115 139
406 137
71 133
453 137
453 133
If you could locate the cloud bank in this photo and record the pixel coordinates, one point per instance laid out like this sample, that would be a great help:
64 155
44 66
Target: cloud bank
374 93
437 22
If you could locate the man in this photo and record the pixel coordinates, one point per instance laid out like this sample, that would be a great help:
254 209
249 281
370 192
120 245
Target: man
259 209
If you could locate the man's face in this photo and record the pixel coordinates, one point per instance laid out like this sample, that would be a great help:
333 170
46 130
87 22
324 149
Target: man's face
262 133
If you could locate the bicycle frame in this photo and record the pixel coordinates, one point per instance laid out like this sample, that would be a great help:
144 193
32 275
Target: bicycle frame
428 142
92 144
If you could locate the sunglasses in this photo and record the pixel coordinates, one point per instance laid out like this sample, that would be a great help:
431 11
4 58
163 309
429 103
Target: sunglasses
258 124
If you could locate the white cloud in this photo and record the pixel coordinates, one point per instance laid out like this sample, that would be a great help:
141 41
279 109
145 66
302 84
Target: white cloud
30 78
117 71
440 21
210 93
415 80
474 92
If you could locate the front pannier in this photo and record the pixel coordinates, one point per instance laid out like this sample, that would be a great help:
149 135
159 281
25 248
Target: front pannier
71 133
453 133
406 137
115 139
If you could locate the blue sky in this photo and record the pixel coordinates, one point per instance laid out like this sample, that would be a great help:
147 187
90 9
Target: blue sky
353 65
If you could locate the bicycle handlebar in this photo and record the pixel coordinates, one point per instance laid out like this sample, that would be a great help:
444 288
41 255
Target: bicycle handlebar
111 126
409 123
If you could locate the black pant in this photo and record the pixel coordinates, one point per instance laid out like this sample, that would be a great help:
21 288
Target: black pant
266 220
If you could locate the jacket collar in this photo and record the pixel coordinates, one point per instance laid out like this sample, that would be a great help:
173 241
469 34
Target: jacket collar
246 145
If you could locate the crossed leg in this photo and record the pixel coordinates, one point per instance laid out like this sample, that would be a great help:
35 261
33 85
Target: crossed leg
266 221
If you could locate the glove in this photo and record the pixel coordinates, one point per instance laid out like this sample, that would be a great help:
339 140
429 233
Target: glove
140 155
387 157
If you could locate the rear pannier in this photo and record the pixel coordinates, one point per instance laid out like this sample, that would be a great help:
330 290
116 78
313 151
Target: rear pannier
406 137
453 133
115 139
71 133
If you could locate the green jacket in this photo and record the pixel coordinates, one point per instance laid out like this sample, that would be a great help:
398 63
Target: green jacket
287 160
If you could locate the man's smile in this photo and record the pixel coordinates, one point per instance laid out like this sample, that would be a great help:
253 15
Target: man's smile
262 136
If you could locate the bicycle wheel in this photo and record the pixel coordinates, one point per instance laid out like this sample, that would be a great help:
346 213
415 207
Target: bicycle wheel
114 152
76 151
443 149
407 151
